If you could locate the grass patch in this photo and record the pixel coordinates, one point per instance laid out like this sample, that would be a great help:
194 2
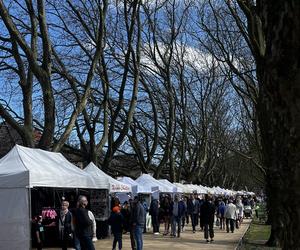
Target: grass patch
256 236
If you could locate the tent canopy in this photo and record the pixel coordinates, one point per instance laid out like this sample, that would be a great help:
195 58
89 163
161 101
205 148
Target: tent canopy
29 167
185 189
175 188
139 188
113 184
149 183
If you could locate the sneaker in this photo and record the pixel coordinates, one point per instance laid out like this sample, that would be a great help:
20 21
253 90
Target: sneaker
207 241
156 233
194 231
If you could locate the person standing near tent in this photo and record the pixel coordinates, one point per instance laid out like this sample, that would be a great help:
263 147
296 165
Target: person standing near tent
83 224
166 209
194 209
178 210
145 205
39 234
138 217
65 226
154 212
207 212
185 217
131 227
116 220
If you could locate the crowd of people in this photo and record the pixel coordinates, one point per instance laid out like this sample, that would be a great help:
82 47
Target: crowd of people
77 226
173 214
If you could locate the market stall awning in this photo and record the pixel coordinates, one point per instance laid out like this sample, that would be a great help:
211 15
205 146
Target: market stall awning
134 185
115 186
150 183
43 169
175 188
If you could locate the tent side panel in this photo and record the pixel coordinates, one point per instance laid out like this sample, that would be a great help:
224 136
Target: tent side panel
14 217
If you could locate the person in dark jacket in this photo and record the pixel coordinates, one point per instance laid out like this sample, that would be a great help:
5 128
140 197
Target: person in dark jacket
132 205
138 217
154 212
166 208
116 220
208 217
125 211
83 224
39 232
65 226
193 207
178 211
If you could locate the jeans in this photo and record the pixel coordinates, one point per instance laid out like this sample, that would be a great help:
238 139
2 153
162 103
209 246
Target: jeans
209 227
86 242
155 223
117 238
76 243
231 222
138 233
176 220
182 222
132 237
195 218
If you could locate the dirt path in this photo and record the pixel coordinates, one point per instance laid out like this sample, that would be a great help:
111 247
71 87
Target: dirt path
187 241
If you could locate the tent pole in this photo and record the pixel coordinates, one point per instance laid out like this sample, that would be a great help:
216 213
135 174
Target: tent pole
30 216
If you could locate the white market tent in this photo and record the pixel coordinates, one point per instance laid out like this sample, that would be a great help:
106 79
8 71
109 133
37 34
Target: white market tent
197 188
136 187
185 188
170 184
114 185
21 169
149 183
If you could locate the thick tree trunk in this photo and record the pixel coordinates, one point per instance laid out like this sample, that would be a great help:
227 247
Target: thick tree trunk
280 89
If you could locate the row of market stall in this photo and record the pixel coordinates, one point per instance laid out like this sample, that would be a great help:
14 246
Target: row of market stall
33 181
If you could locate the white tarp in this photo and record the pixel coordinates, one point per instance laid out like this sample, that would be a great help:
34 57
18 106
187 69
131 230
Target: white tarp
149 183
21 169
115 186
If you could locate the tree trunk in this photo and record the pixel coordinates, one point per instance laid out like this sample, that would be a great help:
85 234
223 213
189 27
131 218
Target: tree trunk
280 92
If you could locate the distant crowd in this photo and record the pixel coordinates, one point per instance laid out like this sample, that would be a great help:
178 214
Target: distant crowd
167 216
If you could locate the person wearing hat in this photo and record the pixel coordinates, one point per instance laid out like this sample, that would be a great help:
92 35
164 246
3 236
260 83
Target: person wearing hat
116 220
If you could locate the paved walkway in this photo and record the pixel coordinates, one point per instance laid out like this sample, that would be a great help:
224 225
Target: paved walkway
187 241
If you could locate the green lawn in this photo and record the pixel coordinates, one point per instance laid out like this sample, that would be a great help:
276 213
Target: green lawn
256 236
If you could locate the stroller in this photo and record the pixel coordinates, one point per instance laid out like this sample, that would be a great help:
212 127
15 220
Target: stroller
248 212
